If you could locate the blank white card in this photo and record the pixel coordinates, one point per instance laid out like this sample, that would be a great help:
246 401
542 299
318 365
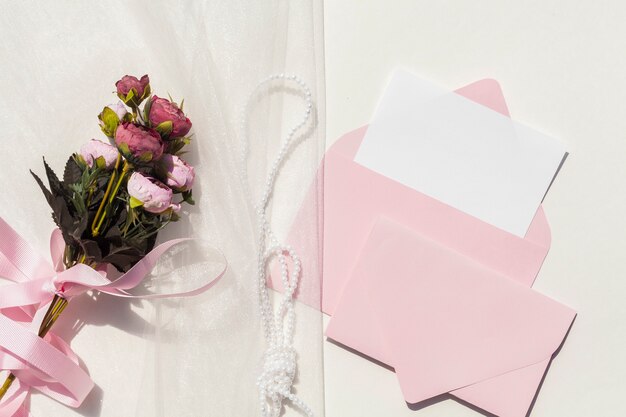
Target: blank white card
460 153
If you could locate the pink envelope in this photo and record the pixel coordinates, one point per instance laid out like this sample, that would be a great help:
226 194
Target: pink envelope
355 197
446 321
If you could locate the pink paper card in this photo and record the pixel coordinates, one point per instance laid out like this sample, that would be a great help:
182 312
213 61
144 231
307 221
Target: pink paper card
445 320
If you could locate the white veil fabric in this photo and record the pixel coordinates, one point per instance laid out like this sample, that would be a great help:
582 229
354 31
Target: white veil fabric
197 356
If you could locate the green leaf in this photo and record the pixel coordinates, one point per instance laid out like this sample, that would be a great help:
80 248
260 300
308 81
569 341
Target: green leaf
146 112
129 97
123 257
165 128
175 146
91 249
146 92
81 161
46 192
134 203
109 120
55 184
123 147
114 236
109 116
72 173
188 198
146 157
62 217
101 162
80 226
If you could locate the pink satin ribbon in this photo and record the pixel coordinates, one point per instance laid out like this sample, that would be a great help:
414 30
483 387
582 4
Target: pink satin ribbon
49 365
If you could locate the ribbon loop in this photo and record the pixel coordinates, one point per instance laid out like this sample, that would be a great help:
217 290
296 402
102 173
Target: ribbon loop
49 365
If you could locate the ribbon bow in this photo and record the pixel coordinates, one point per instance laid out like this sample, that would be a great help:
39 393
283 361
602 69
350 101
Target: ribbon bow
48 364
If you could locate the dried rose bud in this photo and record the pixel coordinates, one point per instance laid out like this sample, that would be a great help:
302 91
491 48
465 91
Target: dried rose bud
133 91
99 153
176 173
137 141
111 116
153 195
167 118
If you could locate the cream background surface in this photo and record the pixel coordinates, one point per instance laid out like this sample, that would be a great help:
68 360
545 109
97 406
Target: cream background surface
562 67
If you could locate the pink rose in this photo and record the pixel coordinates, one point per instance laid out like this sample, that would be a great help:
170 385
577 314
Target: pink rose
162 110
111 116
142 143
153 195
119 108
177 173
129 82
95 149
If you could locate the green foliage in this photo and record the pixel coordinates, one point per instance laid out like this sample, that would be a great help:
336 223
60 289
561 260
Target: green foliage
125 150
146 112
134 203
72 172
128 98
146 92
165 128
176 145
146 157
188 198
109 121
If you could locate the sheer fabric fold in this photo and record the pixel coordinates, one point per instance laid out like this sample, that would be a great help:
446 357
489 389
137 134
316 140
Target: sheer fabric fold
188 357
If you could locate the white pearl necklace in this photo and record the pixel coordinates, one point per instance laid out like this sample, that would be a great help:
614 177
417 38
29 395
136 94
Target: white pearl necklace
279 366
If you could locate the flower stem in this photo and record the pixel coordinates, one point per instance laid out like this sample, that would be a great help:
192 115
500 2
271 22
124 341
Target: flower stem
125 170
111 197
7 384
97 221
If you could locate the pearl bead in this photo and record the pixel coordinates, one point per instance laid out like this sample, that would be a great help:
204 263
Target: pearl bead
279 365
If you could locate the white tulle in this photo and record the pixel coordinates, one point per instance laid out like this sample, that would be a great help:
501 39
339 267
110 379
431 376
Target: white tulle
192 357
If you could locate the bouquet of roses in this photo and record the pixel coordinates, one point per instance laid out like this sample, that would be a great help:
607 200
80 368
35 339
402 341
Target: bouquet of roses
114 198
111 202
